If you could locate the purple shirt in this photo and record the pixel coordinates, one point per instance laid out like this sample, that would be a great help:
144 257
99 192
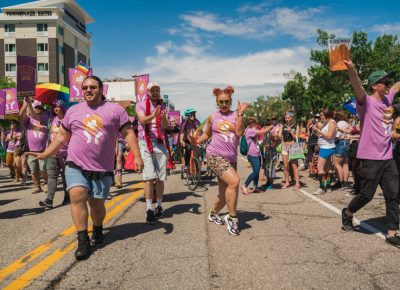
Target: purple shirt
224 141
14 142
376 126
94 132
141 107
55 126
252 141
37 133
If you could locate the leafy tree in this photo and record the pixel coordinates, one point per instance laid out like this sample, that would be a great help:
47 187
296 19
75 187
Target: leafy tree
6 83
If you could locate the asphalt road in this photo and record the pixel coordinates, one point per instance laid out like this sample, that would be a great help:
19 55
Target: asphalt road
289 240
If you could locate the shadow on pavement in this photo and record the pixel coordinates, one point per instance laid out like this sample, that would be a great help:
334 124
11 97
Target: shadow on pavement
7 201
378 223
246 216
182 208
21 212
131 230
177 196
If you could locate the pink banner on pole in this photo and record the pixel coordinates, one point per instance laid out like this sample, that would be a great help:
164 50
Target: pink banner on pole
176 115
2 104
12 106
26 76
141 87
105 89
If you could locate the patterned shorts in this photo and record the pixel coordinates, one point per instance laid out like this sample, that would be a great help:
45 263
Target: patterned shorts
219 164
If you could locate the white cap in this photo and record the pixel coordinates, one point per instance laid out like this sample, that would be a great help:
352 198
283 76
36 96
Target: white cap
152 84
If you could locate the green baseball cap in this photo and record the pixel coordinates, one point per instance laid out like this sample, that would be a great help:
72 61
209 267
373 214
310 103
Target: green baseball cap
376 76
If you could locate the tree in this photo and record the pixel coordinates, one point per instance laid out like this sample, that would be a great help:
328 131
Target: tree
6 83
323 88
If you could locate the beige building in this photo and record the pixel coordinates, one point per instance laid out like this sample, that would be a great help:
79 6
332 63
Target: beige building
54 31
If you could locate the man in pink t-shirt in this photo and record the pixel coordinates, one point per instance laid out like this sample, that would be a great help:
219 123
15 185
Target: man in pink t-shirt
92 128
377 166
152 116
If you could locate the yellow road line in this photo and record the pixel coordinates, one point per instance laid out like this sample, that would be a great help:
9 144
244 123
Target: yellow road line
26 278
32 255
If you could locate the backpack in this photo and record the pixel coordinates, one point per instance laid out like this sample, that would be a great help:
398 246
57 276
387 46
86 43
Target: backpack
244 147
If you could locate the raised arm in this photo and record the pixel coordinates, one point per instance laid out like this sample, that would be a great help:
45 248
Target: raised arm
239 129
396 87
359 90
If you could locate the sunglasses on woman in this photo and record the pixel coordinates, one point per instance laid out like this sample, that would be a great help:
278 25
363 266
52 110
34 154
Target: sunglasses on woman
224 102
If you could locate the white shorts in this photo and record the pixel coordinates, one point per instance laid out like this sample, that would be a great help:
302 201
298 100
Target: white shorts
155 165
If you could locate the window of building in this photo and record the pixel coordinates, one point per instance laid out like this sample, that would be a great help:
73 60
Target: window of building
42 47
11 67
61 49
60 30
62 69
43 66
41 27
10 47
9 27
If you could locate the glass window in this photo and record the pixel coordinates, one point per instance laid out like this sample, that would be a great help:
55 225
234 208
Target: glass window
61 49
11 47
11 67
43 66
9 27
43 47
41 27
60 30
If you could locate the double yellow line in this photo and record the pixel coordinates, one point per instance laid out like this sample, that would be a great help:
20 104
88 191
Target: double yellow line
35 271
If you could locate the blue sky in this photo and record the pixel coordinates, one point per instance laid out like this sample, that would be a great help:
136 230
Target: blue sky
192 46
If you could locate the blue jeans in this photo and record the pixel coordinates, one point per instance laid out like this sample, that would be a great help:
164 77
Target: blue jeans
255 165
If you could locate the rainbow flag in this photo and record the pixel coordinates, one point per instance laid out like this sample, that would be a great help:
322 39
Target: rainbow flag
198 130
84 68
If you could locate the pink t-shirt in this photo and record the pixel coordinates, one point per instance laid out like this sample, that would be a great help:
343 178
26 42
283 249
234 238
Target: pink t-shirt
94 132
224 141
37 133
376 127
13 142
252 142
141 107
55 126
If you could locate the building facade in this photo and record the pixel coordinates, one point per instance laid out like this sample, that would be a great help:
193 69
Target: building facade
54 31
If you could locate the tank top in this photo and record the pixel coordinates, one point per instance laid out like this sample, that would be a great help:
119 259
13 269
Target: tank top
224 141
325 143
286 136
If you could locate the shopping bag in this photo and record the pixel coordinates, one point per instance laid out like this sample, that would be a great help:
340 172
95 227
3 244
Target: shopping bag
296 151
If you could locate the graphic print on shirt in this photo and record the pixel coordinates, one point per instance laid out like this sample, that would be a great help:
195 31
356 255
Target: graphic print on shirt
227 129
37 129
92 125
387 120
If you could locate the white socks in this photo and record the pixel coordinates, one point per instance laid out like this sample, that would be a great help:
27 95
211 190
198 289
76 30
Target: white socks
149 203
159 201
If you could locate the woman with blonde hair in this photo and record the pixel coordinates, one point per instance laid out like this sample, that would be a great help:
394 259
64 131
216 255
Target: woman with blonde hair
225 127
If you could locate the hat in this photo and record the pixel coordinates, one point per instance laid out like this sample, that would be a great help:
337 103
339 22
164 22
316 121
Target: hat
36 104
60 104
376 76
152 84
188 111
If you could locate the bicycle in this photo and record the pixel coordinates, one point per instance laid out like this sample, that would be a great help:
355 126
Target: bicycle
194 170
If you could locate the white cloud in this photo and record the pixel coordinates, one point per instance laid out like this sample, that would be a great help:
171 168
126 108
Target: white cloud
300 24
393 28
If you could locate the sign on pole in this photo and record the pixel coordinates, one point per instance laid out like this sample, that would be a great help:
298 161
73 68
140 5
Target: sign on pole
141 87
26 76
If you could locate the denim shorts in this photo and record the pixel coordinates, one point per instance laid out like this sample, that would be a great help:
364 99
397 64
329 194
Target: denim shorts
342 148
97 188
326 153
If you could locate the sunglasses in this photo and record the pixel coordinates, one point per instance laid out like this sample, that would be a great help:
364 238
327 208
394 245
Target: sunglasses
192 114
92 88
224 102
386 83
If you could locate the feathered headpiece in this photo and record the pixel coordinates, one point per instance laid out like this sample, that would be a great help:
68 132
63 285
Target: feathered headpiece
228 90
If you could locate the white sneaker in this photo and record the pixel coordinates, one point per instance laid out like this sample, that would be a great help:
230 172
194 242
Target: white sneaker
319 191
232 224
215 218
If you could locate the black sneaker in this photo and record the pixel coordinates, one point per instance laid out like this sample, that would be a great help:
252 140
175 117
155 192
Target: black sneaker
150 218
97 236
83 250
46 203
395 240
66 202
347 222
158 212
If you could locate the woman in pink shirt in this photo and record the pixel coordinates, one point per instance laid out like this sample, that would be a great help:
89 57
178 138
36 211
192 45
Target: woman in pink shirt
225 127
